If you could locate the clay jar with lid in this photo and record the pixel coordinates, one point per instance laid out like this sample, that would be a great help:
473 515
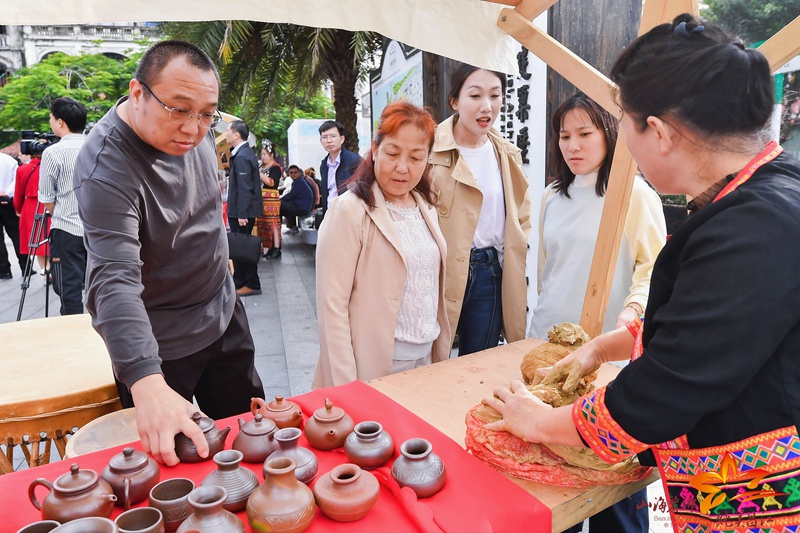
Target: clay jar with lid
419 468
256 439
346 493
237 480
306 463
329 427
187 451
368 446
131 474
79 494
285 413
281 504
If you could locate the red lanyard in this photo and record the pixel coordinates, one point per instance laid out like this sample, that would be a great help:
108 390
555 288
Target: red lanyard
770 152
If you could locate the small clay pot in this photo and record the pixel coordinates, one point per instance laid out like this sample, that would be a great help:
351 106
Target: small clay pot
131 474
208 515
171 497
79 494
346 493
238 481
91 524
255 439
419 468
306 463
141 520
329 427
368 446
43 526
281 504
187 451
284 413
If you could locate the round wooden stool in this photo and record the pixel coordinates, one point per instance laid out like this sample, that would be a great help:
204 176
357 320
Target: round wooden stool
107 431
55 376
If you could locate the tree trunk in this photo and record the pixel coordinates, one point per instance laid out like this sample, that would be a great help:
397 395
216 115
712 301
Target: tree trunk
339 65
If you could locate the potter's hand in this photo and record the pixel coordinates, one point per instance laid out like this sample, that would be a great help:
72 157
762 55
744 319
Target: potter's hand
519 409
582 362
162 413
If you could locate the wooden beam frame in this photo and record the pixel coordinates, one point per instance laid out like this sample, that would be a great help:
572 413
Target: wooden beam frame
783 46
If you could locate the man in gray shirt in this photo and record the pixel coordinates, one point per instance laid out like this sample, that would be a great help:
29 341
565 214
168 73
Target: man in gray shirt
158 288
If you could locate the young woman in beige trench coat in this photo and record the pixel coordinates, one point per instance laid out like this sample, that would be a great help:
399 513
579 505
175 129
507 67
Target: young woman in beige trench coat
481 233
380 261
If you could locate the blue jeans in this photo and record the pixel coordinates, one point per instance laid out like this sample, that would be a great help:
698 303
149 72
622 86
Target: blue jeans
481 316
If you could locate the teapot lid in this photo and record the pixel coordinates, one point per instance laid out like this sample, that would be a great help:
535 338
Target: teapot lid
205 423
76 481
259 426
279 404
329 413
129 460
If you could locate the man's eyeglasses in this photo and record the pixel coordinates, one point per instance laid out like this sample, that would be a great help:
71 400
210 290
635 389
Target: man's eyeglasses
329 137
183 116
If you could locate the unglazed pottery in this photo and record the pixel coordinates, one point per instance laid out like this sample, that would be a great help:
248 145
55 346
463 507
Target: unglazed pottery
284 413
91 524
256 439
282 504
43 526
306 464
237 480
419 468
209 515
131 474
368 446
81 493
171 497
187 451
141 520
346 493
329 427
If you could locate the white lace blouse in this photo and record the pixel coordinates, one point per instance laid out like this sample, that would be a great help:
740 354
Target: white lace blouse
417 317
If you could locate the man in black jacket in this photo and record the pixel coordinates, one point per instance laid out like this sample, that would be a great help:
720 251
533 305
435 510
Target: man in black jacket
244 202
338 166
299 200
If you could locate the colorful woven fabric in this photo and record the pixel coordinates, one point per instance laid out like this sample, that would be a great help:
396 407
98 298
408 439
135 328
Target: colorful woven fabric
271 221
603 435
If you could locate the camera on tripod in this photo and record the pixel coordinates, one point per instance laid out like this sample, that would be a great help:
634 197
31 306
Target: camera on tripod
33 143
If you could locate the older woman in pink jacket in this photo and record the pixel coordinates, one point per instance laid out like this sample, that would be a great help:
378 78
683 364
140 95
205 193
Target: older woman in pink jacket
380 261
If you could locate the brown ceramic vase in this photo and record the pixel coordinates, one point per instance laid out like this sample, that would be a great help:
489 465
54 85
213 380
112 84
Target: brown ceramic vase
346 493
368 446
131 474
187 451
329 427
285 413
419 468
209 515
305 461
237 480
79 494
256 439
282 503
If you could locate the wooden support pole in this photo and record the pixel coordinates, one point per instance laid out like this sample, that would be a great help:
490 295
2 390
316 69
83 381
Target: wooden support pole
660 11
783 46
559 58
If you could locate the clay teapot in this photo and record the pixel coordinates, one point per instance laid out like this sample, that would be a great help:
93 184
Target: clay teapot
131 475
79 494
256 439
185 448
329 427
284 413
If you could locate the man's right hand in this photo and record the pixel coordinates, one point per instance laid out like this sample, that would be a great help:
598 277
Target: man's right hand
162 413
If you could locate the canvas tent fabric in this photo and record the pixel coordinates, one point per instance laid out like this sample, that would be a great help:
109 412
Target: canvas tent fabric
465 30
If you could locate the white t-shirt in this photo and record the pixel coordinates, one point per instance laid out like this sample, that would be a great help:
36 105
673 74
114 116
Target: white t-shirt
482 162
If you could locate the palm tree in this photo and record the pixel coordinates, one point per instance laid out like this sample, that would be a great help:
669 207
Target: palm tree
265 65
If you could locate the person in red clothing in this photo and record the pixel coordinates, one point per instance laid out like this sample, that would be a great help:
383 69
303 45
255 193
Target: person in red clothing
26 202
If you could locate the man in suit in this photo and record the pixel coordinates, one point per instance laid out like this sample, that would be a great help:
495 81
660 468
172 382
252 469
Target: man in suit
244 202
340 163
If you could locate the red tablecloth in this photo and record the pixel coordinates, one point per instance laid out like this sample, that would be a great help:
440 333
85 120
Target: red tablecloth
475 498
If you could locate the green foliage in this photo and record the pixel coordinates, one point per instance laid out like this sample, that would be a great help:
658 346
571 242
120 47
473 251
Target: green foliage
93 79
752 20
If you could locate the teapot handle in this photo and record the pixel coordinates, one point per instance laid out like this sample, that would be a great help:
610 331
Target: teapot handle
257 404
32 490
126 493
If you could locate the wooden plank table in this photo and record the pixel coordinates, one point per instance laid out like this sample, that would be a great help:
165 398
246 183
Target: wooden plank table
55 375
441 394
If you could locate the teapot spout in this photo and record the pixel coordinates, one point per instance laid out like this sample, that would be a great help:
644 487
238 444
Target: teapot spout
224 433
241 423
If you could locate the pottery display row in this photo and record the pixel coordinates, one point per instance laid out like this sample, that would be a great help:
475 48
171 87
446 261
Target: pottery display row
140 520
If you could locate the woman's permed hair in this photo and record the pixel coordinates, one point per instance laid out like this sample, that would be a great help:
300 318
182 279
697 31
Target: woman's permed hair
698 73
603 120
395 116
